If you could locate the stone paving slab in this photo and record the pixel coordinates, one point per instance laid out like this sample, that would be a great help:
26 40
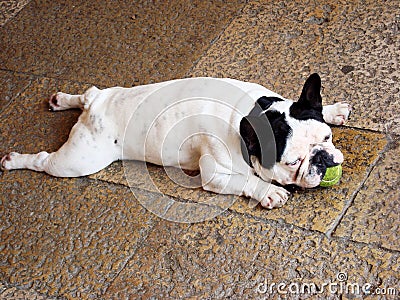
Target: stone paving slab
67 237
11 85
112 43
175 201
32 42
232 256
352 44
374 215
316 209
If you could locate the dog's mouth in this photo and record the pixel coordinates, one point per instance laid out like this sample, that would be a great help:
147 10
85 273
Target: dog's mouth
312 170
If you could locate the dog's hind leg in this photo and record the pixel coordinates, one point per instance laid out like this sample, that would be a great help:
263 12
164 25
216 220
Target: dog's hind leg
63 101
84 153
60 163
66 162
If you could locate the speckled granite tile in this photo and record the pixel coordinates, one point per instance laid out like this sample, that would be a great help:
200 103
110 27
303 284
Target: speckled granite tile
67 237
33 41
315 209
18 293
233 256
113 43
374 215
10 8
11 85
352 44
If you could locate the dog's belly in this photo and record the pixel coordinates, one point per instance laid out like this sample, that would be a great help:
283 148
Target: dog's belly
181 135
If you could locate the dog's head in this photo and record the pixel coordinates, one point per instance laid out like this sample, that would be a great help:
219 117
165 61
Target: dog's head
289 142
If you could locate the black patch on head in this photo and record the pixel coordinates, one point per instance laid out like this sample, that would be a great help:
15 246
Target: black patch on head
322 160
281 130
309 105
264 137
262 104
265 102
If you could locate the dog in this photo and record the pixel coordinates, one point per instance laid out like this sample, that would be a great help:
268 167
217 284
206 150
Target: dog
242 137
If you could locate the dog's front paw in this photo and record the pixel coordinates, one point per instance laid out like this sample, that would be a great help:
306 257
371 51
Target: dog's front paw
337 114
6 162
275 197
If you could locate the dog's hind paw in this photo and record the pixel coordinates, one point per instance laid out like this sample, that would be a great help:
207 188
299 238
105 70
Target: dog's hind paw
6 162
63 101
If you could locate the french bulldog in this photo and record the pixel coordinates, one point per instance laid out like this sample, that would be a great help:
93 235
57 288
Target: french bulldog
241 136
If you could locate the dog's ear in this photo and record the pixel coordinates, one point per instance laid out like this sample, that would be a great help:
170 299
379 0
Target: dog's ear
249 136
257 140
311 95
309 105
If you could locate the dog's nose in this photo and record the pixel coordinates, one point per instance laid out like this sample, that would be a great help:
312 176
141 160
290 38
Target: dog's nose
323 160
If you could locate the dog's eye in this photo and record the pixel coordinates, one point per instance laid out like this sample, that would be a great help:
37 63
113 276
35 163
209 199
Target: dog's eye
293 163
327 138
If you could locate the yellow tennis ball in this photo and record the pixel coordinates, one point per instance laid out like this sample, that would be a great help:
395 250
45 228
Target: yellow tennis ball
332 176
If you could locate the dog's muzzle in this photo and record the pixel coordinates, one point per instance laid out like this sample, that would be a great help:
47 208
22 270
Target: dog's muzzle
320 160
323 160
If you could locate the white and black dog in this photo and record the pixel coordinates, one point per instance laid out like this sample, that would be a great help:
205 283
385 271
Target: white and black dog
239 135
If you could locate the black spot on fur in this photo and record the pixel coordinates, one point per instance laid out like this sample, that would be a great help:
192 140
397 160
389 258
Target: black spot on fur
257 140
265 102
115 141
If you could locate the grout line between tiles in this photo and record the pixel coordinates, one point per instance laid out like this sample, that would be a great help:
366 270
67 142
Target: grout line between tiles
353 196
214 40
23 89
138 246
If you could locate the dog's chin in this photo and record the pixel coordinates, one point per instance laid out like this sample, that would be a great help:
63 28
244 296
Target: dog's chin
309 177
310 181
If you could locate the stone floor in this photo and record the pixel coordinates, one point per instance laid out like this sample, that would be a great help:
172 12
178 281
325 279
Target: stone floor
91 237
